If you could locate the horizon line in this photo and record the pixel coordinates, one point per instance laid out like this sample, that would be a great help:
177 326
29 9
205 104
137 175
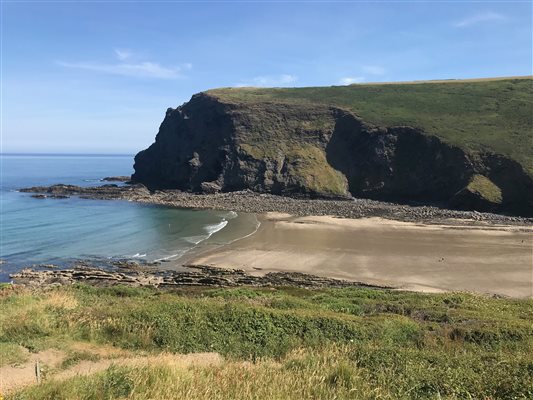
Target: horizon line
66 154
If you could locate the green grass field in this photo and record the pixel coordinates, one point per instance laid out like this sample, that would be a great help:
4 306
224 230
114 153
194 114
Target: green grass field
485 115
279 343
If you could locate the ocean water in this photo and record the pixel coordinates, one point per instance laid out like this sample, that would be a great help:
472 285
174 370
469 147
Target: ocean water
35 231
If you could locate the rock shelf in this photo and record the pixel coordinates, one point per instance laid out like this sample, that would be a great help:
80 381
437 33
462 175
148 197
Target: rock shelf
259 203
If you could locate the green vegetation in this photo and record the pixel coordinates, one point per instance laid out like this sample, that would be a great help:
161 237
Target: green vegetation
76 356
306 163
484 115
11 353
485 188
282 343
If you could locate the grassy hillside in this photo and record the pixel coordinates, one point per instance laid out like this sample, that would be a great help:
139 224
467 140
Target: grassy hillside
278 343
484 115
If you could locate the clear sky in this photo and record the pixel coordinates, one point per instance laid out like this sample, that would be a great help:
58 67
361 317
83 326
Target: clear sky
98 76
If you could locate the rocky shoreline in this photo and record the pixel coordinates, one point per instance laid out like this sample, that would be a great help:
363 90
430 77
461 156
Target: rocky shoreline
259 203
135 275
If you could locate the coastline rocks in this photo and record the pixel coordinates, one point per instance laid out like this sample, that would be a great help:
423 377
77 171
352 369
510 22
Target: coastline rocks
194 275
120 178
260 203
52 196
104 192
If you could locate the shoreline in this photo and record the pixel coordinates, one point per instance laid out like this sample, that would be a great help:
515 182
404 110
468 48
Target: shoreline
493 260
213 243
416 248
320 252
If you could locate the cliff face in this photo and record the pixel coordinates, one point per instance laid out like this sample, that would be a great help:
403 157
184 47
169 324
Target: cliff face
314 150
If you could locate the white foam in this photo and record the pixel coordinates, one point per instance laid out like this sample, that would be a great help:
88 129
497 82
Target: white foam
210 229
231 215
138 255
172 256
195 239
214 228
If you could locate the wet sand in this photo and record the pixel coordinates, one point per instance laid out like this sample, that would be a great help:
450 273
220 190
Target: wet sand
411 256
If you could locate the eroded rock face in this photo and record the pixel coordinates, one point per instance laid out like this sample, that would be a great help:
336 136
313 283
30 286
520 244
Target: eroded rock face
207 146
399 163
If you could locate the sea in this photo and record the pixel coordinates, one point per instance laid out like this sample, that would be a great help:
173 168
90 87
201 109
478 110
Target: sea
59 231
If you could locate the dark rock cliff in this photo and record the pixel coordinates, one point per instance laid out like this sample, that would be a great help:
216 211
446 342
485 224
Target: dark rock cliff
207 145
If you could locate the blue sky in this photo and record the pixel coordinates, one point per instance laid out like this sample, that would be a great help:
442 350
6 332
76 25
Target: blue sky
97 77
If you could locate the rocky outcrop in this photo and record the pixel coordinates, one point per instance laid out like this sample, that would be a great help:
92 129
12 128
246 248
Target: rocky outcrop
206 145
209 145
252 202
399 163
193 275
119 178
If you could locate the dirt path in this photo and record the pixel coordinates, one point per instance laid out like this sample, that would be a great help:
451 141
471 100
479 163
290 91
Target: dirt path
175 360
16 377
13 377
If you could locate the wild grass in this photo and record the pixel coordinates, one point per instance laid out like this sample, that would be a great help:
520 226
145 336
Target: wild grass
285 343
305 163
74 357
485 188
493 115
11 353
294 145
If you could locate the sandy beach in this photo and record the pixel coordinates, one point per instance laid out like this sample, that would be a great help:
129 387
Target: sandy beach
492 259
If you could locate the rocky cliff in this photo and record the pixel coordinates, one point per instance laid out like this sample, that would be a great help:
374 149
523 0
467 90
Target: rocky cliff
315 150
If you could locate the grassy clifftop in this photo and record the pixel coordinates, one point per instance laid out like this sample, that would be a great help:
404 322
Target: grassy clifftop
276 343
494 115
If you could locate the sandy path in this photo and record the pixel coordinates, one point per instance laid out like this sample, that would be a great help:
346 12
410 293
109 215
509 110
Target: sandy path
175 360
491 259
13 378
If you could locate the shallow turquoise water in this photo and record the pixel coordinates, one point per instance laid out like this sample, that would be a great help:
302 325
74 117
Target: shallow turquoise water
57 230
